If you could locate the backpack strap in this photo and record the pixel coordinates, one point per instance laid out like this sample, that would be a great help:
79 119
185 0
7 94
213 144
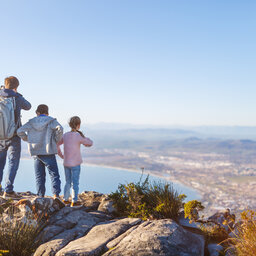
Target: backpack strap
17 118
14 102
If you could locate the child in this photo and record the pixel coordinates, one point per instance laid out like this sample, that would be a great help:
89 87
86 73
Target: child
72 158
42 134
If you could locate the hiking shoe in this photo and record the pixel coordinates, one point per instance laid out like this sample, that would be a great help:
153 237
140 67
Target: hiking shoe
76 204
66 202
56 196
11 195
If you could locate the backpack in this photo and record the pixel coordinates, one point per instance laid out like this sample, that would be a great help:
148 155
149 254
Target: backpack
7 117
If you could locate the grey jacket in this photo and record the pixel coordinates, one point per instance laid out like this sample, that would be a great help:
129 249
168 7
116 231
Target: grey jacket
42 134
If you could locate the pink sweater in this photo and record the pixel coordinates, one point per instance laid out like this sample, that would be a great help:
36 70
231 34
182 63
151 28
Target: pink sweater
72 141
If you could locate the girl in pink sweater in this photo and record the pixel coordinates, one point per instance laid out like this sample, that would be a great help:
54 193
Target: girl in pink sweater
72 158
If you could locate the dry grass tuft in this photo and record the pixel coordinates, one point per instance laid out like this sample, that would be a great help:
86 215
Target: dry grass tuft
244 241
19 237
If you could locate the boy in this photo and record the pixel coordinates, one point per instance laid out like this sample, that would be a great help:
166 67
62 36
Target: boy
12 146
42 134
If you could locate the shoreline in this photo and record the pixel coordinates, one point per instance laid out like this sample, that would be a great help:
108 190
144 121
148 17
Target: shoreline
146 172
150 173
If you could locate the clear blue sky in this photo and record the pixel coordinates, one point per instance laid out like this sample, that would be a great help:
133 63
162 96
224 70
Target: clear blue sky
139 61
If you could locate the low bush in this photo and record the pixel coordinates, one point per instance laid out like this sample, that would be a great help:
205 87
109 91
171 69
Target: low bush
148 200
212 231
192 209
19 237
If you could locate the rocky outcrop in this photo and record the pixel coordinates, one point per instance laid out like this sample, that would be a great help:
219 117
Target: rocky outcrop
68 225
92 229
94 243
159 237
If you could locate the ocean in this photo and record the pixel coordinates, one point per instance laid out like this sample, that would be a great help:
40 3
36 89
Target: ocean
96 178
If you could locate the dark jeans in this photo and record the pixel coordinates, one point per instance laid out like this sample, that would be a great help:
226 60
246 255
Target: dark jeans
11 148
49 161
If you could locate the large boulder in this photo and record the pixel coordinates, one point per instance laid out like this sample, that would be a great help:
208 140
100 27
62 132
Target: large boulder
74 225
94 243
159 237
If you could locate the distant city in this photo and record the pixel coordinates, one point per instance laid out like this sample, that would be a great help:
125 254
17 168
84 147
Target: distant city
219 162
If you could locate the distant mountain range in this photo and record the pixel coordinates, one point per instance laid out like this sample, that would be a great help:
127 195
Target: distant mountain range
239 143
177 132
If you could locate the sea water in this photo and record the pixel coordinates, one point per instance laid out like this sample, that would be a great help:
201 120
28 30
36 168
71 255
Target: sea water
96 178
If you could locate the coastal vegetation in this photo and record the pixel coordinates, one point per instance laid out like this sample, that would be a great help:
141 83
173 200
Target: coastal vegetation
148 200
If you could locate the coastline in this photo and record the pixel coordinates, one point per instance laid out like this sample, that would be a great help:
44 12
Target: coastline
146 172
168 179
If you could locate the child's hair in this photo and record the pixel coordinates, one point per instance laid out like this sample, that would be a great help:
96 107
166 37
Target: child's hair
42 109
73 123
11 82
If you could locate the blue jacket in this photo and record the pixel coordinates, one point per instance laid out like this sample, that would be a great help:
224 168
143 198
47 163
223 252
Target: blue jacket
21 103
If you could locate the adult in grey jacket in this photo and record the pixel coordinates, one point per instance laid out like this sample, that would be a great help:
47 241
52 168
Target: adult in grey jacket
13 145
42 134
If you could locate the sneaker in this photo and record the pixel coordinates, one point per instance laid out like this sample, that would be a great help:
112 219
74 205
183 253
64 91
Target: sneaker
11 195
66 202
75 204
56 196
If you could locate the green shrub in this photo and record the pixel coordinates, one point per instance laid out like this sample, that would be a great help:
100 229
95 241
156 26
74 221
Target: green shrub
192 208
148 200
212 231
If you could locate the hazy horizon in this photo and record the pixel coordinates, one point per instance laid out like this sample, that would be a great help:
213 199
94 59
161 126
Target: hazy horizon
169 132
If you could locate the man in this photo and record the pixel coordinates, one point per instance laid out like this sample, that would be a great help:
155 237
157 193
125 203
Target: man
12 146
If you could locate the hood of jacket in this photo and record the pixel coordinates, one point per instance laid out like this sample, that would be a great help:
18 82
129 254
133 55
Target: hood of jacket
40 122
